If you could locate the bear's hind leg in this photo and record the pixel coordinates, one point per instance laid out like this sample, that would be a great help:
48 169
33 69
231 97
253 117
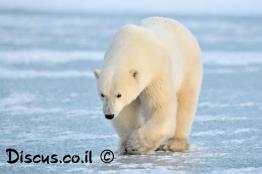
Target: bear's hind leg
187 104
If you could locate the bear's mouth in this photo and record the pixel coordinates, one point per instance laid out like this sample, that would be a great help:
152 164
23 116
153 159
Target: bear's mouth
110 116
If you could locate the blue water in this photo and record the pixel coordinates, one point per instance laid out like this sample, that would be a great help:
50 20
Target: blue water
48 100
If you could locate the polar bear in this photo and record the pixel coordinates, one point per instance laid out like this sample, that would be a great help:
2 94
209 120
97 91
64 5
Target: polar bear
150 85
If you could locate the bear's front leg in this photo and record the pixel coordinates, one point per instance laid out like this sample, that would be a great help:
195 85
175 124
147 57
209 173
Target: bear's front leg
125 123
158 128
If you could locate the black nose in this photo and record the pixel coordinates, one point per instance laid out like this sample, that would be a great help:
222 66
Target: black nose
111 116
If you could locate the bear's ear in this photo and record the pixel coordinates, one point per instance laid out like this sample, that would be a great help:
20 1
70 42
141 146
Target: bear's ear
97 73
134 73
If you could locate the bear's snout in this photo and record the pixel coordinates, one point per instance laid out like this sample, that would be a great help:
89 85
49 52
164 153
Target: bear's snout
109 117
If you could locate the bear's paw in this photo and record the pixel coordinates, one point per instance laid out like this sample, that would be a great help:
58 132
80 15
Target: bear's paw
175 145
135 145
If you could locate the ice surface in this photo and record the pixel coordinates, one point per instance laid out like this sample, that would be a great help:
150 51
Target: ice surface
48 100
29 74
48 57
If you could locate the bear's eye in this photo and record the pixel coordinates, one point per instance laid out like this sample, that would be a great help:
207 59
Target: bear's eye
102 95
119 95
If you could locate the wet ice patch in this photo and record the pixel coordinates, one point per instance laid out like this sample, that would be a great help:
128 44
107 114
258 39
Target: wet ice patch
234 141
232 58
212 104
224 70
91 113
249 170
206 118
224 105
209 133
71 135
36 110
40 135
245 130
247 104
219 71
16 99
79 169
50 57
20 110
13 74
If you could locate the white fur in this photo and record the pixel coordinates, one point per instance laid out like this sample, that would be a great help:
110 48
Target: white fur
157 69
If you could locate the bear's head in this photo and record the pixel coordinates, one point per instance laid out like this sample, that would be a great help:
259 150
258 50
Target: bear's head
117 89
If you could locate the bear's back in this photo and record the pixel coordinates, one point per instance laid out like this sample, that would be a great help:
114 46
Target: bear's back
169 24
165 29
174 35
170 30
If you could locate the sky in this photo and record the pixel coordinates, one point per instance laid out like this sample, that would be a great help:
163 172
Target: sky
237 7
